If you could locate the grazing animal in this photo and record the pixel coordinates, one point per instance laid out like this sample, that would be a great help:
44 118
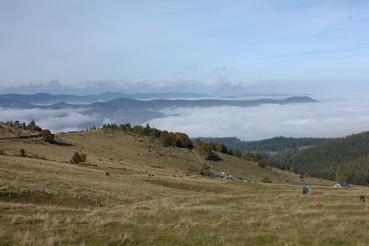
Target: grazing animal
107 173
362 198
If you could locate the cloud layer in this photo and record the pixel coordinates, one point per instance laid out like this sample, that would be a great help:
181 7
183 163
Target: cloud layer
56 120
324 119
330 118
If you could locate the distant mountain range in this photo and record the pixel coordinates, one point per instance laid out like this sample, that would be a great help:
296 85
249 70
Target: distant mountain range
139 111
22 100
121 109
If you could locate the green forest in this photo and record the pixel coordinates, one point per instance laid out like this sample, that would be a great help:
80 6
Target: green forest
267 145
340 159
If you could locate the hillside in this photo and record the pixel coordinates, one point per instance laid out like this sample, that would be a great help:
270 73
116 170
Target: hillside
344 158
8 132
46 200
142 152
267 145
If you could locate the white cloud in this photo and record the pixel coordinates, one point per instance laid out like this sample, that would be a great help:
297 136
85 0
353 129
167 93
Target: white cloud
324 119
329 118
56 120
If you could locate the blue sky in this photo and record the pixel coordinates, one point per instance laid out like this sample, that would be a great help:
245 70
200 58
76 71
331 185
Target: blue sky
164 43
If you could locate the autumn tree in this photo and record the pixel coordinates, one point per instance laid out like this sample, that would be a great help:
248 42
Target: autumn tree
47 136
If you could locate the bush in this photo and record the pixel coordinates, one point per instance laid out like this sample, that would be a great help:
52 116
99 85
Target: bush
165 139
177 139
182 140
266 180
206 172
78 158
47 136
22 152
83 157
218 147
203 149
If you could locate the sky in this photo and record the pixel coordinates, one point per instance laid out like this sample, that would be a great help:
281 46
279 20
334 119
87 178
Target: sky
232 48
204 45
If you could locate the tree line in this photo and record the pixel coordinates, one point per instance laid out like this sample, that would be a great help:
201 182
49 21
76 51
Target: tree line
176 139
46 134
268 145
31 126
166 138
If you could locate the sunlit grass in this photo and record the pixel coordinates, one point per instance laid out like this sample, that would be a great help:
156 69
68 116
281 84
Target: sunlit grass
51 202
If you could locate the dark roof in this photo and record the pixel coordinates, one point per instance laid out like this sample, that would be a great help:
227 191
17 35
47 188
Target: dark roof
343 184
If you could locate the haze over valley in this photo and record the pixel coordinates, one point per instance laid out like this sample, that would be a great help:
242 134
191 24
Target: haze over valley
250 117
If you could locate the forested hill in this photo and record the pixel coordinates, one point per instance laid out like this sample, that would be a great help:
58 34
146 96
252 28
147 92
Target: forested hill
267 145
341 159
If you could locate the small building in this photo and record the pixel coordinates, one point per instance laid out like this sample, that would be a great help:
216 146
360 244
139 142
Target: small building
342 184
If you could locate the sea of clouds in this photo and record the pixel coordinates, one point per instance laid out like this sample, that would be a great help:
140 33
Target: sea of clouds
326 118
61 120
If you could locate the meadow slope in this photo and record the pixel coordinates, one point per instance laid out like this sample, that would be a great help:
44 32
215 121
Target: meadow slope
45 200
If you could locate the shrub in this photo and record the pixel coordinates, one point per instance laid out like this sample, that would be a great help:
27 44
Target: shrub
177 139
206 172
47 136
182 140
266 180
203 149
75 158
165 139
78 158
22 152
83 157
218 147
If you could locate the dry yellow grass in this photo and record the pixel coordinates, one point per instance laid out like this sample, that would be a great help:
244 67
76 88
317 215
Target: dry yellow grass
45 200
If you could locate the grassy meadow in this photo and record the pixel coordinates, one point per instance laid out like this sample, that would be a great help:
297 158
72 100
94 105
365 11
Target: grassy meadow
46 200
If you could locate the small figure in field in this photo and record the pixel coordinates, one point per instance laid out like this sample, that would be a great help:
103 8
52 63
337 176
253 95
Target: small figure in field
362 198
151 175
107 173
305 191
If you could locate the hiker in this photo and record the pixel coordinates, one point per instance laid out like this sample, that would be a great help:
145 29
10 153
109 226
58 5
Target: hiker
305 191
